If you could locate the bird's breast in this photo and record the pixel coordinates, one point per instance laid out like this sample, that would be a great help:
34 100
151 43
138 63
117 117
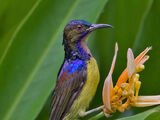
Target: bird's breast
89 89
92 81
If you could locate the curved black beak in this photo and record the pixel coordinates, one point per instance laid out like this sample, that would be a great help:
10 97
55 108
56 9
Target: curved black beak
97 26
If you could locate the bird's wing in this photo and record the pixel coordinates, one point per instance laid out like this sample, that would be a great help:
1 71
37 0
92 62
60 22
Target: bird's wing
70 81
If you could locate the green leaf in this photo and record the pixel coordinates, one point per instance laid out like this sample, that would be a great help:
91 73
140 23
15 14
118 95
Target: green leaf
154 116
144 115
140 116
11 22
32 54
149 36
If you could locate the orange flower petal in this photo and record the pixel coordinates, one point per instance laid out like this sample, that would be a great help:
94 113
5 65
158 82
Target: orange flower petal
140 59
141 55
107 88
108 85
144 101
131 67
144 59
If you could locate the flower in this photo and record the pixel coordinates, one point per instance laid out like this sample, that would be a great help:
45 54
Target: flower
125 93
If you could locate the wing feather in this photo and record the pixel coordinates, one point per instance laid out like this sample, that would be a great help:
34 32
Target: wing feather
67 89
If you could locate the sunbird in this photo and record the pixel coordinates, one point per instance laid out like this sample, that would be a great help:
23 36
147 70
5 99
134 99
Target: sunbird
78 76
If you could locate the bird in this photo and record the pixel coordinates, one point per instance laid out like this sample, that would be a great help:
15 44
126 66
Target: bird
78 76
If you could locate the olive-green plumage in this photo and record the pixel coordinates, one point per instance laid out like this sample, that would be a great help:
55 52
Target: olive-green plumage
78 77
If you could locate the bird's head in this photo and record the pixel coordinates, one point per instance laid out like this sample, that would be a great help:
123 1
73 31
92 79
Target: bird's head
76 30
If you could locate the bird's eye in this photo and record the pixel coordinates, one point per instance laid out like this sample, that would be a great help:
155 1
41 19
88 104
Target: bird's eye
79 27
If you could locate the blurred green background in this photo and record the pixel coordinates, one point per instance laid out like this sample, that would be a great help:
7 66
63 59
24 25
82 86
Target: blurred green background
31 50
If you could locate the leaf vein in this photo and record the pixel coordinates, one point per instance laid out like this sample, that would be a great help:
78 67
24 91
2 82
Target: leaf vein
35 68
